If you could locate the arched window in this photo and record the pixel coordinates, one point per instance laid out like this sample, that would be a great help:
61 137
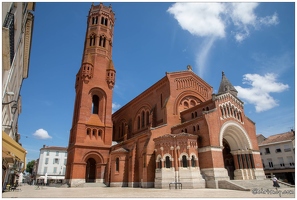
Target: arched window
94 20
92 40
193 103
147 118
240 117
193 163
186 105
160 164
167 162
222 112
104 21
142 119
184 161
94 132
88 131
99 132
117 164
186 130
194 129
192 115
138 122
95 105
123 129
102 41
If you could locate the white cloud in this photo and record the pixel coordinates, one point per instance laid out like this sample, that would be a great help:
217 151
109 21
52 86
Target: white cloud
242 14
244 19
200 19
269 20
202 55
41 134
210 20
115 107
259 92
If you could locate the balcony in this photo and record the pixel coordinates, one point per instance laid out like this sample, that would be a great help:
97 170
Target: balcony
281 166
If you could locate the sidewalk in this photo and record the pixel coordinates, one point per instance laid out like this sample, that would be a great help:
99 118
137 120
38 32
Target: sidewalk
28 191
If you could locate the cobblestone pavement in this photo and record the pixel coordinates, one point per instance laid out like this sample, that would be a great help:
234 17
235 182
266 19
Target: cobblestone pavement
28 191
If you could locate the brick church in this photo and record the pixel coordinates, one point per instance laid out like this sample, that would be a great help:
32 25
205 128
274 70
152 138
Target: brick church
177 130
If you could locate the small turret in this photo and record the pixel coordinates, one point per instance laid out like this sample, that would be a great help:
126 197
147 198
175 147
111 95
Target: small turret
226 86
110 75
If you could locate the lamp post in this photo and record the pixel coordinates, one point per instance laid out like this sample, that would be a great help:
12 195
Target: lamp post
14 107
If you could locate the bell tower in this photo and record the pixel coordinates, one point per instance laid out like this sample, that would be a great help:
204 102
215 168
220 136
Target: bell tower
91 133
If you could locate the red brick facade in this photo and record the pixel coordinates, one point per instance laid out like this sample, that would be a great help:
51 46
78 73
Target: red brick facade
175 131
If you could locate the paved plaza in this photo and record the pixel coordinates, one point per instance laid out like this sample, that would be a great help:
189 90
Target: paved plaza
28 191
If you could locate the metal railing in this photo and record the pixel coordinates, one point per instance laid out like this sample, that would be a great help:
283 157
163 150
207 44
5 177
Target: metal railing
281 166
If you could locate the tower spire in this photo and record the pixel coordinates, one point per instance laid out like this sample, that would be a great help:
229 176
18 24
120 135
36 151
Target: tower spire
226 86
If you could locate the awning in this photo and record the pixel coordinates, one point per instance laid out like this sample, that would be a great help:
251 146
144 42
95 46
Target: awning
12 149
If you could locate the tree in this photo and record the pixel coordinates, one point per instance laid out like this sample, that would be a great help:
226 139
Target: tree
30 166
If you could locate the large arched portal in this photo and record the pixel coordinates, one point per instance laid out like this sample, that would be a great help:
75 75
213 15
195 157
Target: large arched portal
91 170
237 148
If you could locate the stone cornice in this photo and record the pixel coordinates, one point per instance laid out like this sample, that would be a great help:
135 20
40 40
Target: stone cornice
209 148
27 43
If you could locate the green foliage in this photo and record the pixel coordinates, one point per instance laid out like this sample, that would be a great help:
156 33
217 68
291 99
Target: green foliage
30 166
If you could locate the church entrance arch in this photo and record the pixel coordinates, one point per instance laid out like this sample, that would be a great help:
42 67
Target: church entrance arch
237 154
91 170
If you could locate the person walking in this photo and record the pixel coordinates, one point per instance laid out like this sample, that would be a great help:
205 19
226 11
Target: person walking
275 182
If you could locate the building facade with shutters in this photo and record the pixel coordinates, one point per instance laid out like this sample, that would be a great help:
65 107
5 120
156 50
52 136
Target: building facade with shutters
51 164
17 29
278 155
177 130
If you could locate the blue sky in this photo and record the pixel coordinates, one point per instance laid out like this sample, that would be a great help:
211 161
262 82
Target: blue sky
254 44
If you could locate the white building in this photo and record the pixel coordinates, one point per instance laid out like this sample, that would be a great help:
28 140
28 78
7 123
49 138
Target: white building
52 163
17 29
278 155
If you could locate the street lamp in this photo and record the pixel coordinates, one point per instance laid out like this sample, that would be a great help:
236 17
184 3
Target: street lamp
14 107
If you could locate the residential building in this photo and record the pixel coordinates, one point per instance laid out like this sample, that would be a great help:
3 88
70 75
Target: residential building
17 28
278 155
52 164
177 130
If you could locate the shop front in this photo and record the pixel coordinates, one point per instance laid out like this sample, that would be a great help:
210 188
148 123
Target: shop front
13 161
